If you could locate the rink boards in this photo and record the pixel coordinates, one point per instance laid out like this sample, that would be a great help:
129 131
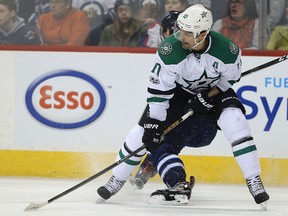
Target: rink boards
66 114
206 169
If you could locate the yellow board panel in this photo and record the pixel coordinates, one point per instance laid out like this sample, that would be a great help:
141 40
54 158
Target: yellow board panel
206 169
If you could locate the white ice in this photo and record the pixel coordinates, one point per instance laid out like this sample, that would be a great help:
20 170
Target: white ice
220 200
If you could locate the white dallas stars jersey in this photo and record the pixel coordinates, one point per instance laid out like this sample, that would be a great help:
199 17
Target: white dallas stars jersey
219 65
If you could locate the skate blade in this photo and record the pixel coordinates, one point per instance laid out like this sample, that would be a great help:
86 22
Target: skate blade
160 200
100 200
135 185
264 206
136 188
157 200
181 199
131 180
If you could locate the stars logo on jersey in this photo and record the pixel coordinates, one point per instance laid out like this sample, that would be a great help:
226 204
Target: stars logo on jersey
166 48
202 84
233 48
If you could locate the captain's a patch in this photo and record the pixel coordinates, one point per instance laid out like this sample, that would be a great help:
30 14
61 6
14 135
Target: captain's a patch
166 48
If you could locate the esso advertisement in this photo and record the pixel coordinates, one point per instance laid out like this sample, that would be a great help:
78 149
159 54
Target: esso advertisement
65 99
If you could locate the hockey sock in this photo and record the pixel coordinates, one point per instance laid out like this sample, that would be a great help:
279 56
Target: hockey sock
245 153
133 141
236 129
171 169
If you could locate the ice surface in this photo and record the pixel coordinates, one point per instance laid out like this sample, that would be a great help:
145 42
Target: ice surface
220 200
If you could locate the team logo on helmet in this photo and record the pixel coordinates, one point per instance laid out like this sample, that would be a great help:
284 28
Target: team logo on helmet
233 48
204 14
166 48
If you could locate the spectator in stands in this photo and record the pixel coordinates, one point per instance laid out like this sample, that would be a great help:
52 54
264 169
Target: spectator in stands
30 10
26 9
13 29
94 13
217 7
279 37
106 5
94 10
63 24
148 11
241 25
175 5
125 30
276 13
99 15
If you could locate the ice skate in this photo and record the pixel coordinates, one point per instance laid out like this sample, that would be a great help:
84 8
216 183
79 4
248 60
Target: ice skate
143 174
179 194
258 192
109 189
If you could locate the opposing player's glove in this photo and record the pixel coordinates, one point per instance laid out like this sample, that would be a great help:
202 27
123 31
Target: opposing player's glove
200 103
153 130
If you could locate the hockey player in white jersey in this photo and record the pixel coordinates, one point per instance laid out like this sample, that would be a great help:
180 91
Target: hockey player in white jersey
194 68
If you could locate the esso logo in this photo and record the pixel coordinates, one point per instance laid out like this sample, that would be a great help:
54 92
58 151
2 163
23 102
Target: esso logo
65 99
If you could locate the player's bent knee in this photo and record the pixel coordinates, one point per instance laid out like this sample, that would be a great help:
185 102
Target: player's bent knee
234 124
134 138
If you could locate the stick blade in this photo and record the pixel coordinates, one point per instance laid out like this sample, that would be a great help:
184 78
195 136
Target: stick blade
34 206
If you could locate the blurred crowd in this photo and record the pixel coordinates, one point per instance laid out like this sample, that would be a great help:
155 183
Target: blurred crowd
136 23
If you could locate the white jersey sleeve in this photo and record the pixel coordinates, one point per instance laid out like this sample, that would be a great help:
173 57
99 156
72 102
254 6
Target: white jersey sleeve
161 87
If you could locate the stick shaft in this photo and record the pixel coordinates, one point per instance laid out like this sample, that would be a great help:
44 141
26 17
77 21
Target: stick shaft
175 124
265 65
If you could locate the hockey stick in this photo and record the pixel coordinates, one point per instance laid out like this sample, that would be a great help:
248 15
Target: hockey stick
265 65
33 206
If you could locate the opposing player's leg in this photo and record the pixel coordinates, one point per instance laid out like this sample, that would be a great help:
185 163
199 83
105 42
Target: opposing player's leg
172 171
145 171
235 127
196 131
